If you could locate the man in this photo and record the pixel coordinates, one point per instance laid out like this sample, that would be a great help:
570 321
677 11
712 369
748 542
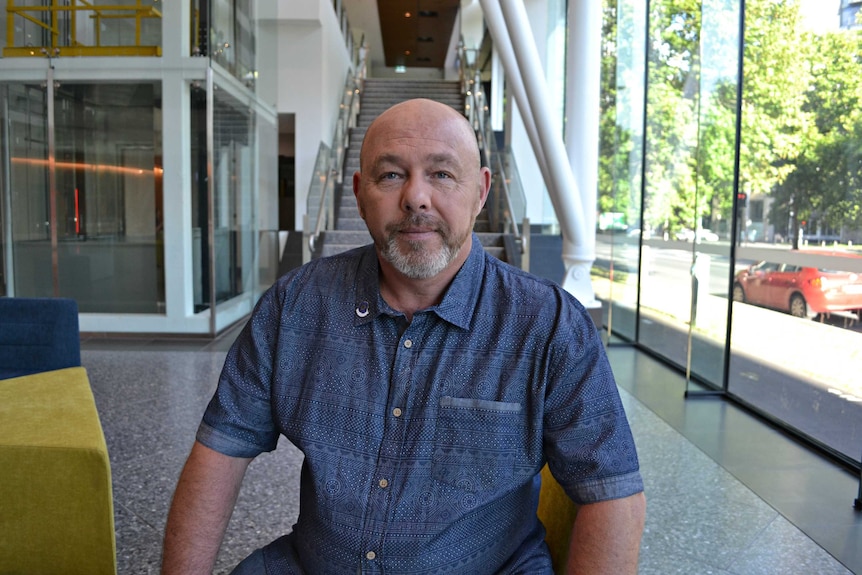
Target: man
426 383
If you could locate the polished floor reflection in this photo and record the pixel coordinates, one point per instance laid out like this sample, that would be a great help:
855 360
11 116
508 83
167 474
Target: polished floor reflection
727 494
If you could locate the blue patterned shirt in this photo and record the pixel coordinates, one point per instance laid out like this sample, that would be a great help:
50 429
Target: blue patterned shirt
423 440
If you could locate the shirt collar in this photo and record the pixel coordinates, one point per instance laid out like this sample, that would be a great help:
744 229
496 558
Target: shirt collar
457 304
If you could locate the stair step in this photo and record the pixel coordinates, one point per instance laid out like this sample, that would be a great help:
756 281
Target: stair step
351 224
347 237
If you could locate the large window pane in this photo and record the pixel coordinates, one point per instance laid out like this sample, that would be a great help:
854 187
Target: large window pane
233 209
713 197
670 184
106 209
109 196
225 30
801 223
621 163
234 243
25 172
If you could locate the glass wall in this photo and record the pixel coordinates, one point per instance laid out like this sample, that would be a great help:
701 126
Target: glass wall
621 145
801 215
232 245
225 30
733 204
86 221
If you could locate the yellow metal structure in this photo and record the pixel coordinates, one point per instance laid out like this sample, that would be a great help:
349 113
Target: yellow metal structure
50 18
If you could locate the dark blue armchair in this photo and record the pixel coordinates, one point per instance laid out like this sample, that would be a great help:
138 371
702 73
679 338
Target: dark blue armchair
38 334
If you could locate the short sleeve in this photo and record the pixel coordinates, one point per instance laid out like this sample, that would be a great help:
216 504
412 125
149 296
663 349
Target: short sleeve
238 420
587 438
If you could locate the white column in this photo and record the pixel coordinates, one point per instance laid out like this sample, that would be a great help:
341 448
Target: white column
583 87
176 30
501 37
177 217
176 162
578 254
497 84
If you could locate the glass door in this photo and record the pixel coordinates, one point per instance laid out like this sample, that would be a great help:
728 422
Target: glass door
82 194
27 253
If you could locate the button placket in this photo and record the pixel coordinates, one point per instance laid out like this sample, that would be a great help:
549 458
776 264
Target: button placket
393 436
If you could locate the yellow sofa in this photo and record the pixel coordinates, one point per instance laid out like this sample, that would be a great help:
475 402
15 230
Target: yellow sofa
557 513
56 506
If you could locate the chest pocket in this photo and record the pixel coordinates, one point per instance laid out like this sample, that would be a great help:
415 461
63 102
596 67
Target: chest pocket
480 445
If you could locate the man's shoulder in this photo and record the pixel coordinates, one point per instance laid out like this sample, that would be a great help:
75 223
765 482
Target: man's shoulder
507 278
529 294
322 281
328 270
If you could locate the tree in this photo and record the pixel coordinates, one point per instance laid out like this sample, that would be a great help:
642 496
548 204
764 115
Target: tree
821 179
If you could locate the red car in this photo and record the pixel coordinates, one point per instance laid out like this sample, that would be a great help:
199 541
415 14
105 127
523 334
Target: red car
800 291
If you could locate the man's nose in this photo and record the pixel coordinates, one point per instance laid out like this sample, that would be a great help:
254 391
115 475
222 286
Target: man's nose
415 195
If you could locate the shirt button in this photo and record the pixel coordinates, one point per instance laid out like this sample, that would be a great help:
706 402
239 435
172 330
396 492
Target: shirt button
383 483
408 344
396 412
371 555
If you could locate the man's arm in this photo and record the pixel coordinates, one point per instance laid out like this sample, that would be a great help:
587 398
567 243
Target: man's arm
202 506
606 537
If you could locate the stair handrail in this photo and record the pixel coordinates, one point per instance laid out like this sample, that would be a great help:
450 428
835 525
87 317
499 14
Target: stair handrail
507 182
334 173
317 190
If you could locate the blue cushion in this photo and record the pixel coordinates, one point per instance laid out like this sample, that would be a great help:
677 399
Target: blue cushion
38 334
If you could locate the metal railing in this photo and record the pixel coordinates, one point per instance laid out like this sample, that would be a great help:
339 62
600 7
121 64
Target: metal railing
506 203
76 29
320 208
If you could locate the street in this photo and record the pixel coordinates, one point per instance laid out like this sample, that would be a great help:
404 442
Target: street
800 371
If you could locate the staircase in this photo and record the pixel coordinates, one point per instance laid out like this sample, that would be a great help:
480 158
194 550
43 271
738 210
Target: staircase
377 96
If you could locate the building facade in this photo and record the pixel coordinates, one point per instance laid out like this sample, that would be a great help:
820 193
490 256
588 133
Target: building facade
136 161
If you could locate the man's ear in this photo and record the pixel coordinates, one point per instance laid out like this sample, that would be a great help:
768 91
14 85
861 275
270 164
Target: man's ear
484 186
357 182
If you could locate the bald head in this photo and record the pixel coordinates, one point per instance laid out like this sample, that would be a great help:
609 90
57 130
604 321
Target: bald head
422 118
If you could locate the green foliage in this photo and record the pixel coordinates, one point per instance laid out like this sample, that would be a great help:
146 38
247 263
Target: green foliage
801 120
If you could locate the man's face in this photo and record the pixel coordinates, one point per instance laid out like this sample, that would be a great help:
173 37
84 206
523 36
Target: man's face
421 187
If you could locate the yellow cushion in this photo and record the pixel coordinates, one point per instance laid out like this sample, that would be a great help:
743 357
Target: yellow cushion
57 512
557 513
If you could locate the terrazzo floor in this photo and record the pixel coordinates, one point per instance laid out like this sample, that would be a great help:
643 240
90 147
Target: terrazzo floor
701 519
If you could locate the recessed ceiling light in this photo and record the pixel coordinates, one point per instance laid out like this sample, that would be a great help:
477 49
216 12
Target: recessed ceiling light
408 14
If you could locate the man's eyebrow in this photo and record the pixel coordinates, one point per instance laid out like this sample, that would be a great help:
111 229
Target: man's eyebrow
385 159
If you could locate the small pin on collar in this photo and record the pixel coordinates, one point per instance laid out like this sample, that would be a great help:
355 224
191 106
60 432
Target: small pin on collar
362 309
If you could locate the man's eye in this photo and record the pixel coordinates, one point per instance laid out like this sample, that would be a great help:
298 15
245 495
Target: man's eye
389 176
442 175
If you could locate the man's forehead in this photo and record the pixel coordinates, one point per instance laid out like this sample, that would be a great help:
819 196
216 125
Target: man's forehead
403 154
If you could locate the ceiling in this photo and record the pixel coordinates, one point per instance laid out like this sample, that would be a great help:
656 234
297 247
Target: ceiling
411 33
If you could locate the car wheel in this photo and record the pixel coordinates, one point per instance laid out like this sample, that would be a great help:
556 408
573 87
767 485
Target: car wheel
798 307
738 293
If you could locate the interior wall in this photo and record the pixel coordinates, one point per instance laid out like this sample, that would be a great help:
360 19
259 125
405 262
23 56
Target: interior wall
310 83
